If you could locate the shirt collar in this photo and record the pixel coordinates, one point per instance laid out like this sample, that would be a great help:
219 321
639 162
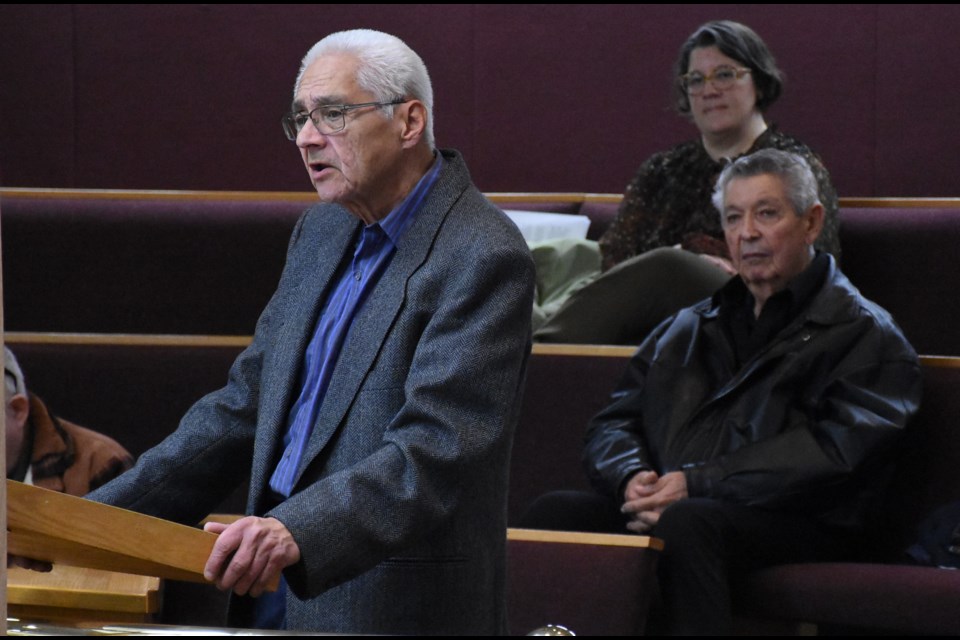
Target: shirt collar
399 220
800 290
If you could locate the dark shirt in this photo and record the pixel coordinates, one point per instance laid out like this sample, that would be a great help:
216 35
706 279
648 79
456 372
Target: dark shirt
748 333
668 202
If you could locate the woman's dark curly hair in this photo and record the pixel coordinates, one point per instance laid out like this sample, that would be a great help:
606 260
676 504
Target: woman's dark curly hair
737 41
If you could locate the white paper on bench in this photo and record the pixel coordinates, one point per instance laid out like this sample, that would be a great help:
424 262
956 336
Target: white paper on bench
538 225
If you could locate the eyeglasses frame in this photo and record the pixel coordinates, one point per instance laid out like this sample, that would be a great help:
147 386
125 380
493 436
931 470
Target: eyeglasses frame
289 121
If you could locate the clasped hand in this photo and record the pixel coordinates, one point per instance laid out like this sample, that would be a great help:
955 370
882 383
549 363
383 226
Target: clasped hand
648 494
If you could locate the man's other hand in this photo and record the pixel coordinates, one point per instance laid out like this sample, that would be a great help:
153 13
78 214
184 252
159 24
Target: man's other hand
249 554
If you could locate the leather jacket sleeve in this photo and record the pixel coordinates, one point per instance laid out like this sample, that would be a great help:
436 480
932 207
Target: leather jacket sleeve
615 449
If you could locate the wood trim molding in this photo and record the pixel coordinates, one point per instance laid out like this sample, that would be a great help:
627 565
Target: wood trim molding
603 350
575 537
940 362
505 196
126 339
157 194
14 338
900 203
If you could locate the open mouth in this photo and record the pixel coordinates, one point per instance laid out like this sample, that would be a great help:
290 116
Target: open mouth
318 167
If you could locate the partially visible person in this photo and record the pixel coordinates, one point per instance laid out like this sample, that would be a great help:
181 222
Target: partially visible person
726 79
49 452
759 426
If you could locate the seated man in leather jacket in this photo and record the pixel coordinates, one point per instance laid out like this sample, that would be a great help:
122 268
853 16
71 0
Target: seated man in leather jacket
757 426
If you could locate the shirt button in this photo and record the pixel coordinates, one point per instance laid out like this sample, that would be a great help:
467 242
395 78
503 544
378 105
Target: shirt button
357 276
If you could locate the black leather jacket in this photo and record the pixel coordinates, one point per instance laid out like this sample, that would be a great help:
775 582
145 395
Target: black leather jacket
807 424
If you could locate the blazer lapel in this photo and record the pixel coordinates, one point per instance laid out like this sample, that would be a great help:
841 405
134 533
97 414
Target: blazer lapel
328 233
379 312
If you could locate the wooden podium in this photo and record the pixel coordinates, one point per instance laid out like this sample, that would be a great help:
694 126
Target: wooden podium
66 530
94 549
75 594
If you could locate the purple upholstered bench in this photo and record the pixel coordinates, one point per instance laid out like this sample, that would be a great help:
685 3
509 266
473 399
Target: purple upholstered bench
901 254
142 262
155 262
136 388
207 262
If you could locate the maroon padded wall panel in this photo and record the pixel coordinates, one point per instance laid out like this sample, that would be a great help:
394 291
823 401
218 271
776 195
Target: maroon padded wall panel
917 93
37 96
190 96
538 97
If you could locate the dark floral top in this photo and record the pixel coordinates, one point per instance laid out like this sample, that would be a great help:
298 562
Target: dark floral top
668 202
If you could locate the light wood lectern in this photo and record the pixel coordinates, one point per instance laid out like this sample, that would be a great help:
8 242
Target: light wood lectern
62 529
94 549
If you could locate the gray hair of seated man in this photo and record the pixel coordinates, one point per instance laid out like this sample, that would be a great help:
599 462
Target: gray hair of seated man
389 69
12 374
794 172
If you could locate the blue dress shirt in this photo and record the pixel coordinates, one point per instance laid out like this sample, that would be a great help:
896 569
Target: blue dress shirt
356 280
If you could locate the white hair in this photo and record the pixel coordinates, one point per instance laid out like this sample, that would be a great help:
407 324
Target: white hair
388 68
12 375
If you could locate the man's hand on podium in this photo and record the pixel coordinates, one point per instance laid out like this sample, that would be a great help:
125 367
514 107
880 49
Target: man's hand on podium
249 554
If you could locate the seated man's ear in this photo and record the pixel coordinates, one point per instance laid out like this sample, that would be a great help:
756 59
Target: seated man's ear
814 219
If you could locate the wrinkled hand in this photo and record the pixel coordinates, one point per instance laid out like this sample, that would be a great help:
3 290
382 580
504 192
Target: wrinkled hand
249 554
721 263
639 485
647 495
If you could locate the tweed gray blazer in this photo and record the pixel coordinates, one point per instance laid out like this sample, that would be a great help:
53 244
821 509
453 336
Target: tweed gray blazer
399 504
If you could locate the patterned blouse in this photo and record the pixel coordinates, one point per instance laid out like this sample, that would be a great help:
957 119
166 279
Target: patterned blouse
668 202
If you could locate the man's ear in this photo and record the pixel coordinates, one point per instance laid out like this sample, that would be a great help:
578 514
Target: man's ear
814 219
20 408
414 119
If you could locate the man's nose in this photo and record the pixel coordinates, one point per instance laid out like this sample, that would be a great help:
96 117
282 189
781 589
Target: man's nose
309 136
748 228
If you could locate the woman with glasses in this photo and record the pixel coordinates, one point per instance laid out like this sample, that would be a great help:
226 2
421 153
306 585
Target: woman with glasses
665 249
726 78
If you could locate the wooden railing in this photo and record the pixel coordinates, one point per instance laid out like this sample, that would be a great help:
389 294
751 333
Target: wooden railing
518 196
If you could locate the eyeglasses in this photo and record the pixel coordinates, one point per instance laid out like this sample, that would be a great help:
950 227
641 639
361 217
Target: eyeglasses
722 78
327 118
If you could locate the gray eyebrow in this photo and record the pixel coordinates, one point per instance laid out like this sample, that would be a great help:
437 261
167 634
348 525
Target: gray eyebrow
318 101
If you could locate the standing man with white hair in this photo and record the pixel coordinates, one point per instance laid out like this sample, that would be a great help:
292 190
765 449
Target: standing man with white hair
374 410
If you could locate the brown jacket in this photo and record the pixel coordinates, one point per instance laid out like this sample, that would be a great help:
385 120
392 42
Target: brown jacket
69 458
